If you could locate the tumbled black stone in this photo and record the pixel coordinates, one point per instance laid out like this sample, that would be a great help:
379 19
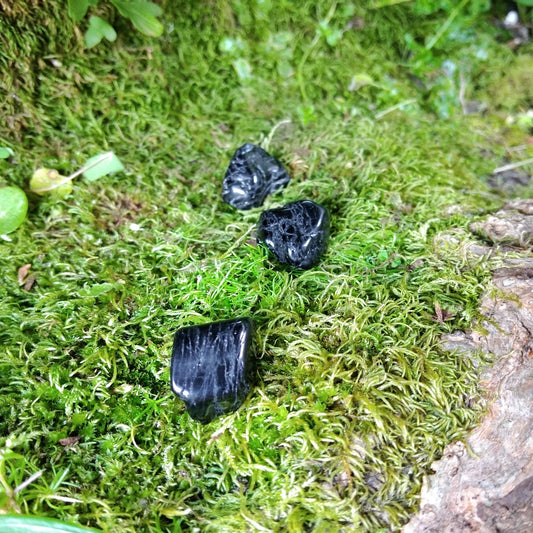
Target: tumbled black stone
210 367
297 233
252 175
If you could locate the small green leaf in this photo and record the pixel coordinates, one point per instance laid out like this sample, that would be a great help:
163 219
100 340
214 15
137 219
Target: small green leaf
77 9
360 80
106 165
142 15
231 46
49 180
109 32
30 524
333 37
96 290
152 8
382 256
307 114
13 209
243 68
97 30
5 152
525 2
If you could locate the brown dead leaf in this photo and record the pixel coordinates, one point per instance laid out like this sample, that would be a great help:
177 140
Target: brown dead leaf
69 441
29 283
298 165
441 315
23 273
357 23
414 265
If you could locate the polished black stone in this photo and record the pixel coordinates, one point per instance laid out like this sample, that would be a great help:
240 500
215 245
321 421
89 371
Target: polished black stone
210 367
252 175
297 233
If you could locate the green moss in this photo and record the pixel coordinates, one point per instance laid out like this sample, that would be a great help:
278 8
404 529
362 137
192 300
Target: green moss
354 397
513 90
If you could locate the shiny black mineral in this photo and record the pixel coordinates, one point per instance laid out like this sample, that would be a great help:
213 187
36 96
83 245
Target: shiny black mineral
297 233
252 175
210 367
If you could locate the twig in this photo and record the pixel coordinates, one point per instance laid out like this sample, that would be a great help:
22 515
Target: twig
394 108
103 157
29 481
268 139
518 148
512 166
446 25
462 90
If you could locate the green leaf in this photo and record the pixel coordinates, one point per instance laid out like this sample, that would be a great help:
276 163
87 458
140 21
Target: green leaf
77 9
334 37
306 114
30 524
97 30
5 152
101 166
525 2
360 80
13 209
242 68
152 8
49 180
142 15
96 290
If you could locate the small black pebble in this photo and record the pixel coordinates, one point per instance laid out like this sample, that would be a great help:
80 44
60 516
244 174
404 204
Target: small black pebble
252 175
210 367
297 233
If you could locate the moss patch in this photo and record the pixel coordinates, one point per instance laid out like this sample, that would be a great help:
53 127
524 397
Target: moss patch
514 89
355 399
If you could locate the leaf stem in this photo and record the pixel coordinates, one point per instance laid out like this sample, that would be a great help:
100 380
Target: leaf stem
103 157
434 40
512 166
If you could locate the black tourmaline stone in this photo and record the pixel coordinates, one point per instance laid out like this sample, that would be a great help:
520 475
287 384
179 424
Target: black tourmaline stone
252 175
297 233
210 367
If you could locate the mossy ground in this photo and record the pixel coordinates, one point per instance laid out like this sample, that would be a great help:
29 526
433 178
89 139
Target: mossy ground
354 398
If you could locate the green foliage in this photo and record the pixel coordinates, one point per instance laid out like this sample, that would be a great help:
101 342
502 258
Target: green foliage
97 30
354 397
5 152
13 201
512 87
77 9
28 524
141 13
472 8
101 165
13 209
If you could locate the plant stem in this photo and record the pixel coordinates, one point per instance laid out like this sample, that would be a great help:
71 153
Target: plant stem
446 25
103 157
512 166
266 142
29 481
314 42
394 107
388 3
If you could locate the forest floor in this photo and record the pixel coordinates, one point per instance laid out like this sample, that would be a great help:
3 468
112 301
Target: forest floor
393 118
